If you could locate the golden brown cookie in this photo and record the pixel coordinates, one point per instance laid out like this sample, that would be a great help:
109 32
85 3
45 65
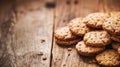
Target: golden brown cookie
64 34
96 20
115 38
115 45
68 42
112 25
97 38
108 58
78 27
85 50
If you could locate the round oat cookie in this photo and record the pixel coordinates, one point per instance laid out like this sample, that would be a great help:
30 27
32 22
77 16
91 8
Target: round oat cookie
112 25
115 45
64 34
78 27
97 38
108 58
96 20
85 50
68 42
115 38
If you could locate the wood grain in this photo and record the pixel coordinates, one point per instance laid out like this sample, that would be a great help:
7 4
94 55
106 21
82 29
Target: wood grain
111 5
5 16
30 35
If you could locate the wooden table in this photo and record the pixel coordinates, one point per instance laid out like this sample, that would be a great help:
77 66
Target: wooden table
27 27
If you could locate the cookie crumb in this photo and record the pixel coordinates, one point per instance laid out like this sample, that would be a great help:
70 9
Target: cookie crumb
44 58
64 64
42 40
69 49
41 53
69 54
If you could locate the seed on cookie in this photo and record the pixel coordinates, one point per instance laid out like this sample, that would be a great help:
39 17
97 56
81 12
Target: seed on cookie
115 45
68 42
112 25
64 34
78 27
97 38
85 50
108 58
96 20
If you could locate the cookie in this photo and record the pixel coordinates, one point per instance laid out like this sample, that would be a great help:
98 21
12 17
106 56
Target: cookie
96 20
112 25
115 45
78 27
64 34
68 42
85 50
115 38
97 38
108 58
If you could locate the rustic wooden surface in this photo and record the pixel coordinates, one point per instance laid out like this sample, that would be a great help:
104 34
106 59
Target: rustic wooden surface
27 26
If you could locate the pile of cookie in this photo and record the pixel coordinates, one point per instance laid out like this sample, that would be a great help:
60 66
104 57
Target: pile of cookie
92 35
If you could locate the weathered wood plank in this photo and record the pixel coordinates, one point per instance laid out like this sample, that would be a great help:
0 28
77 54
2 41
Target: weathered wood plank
64 12
5 16
29 39
62 16
111 5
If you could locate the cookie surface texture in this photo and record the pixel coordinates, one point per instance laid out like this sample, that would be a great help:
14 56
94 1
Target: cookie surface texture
97 38
96 20
64 34
78 27
112 25
108 58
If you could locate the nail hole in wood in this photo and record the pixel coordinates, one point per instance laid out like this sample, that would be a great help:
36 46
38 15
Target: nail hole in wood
76 2
50 5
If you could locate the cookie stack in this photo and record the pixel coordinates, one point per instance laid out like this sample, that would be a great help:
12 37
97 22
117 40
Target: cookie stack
92 34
